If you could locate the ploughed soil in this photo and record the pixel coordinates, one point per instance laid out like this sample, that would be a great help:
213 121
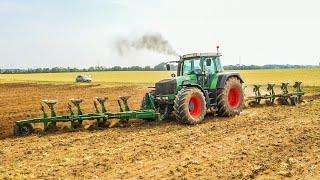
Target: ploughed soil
263 142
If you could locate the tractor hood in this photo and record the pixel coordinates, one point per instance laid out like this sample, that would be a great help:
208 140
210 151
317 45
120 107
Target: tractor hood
171 86
166 86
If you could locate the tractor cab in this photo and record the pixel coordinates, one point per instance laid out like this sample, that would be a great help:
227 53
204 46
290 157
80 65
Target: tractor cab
200 69
203 66
199 64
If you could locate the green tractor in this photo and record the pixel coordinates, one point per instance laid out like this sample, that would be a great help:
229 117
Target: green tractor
200 85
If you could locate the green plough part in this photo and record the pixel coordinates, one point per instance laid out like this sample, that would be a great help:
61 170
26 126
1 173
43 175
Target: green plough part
25 127
284 98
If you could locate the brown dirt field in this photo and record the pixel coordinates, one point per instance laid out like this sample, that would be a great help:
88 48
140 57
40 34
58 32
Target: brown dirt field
266 142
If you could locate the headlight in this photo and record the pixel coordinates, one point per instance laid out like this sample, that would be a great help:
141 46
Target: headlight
164 98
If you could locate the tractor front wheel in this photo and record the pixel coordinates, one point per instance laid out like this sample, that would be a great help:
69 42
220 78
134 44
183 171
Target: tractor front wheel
230 98
190 106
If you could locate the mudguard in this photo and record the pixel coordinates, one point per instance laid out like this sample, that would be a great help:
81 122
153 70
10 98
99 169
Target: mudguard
223 78
189 84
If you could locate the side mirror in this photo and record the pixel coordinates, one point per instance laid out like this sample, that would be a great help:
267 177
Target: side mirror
168 67
208 62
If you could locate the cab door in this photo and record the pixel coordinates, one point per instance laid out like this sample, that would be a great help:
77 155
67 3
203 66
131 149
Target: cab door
210 71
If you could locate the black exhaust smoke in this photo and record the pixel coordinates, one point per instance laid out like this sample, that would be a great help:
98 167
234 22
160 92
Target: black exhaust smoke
148 41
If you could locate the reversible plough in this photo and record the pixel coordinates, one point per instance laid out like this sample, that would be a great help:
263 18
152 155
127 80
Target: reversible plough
284 98
101 115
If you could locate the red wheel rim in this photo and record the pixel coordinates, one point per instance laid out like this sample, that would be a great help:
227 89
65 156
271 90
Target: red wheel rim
195 106
234 97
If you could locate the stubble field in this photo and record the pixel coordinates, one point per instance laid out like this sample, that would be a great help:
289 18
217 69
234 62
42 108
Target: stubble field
264 142
309 77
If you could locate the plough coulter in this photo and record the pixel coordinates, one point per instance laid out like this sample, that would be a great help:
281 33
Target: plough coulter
283 98
101 115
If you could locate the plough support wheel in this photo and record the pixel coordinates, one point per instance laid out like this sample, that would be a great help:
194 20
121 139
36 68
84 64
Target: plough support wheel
23 129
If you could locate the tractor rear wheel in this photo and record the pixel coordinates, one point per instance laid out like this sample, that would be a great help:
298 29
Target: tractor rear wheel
230 98
190 106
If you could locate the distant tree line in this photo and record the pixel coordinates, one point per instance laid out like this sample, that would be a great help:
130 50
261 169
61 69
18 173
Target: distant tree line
90 69
159 67
268 66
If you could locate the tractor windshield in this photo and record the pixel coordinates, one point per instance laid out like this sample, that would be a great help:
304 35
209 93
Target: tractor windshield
191 66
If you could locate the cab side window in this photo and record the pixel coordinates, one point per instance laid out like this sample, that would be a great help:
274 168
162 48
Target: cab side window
187 67
197 66
218 64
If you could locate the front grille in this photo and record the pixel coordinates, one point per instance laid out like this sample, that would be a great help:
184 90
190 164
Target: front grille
166 86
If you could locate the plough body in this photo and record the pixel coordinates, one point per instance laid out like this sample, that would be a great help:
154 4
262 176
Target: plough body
285 97
25 127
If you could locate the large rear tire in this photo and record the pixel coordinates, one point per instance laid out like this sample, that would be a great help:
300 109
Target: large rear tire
190 106
231 98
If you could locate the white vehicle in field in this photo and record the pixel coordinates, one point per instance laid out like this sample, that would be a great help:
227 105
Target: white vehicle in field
83 78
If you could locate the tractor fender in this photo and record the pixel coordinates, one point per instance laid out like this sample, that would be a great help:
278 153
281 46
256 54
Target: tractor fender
194 85
224 77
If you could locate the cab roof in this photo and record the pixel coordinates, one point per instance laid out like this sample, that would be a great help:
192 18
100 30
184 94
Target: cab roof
195 55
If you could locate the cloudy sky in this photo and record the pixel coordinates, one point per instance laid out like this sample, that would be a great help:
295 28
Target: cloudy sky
81 33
